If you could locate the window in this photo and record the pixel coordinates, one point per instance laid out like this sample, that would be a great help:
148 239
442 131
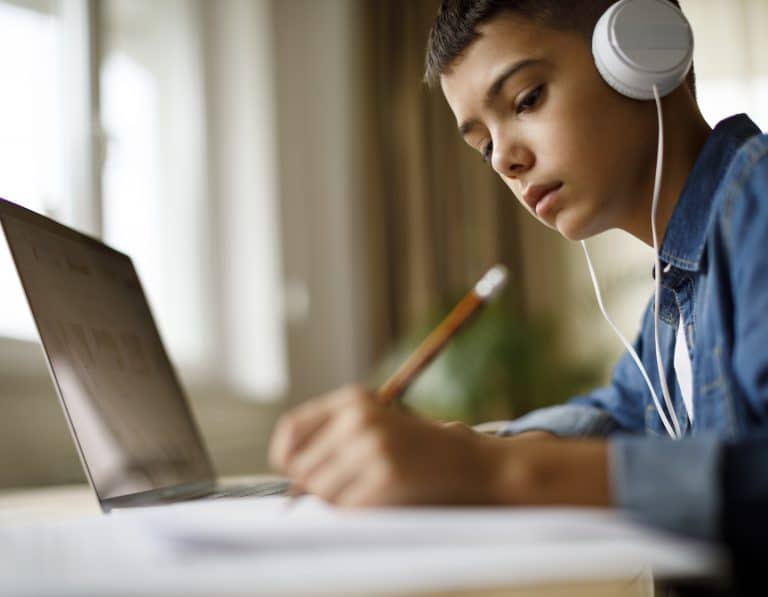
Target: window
154 173
120 148
31 143
730 43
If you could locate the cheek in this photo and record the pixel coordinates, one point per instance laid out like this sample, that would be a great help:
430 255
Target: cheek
596 154
516 189
583 127
513 186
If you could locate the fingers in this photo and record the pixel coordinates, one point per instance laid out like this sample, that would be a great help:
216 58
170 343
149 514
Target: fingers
296 429
361 492
351 451
334 476
375 486
293 431
333 442
354 477
335 436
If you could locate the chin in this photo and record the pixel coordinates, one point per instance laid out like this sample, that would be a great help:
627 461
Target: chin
574 228
569 229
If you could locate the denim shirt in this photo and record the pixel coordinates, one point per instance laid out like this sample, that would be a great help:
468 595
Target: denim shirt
715 277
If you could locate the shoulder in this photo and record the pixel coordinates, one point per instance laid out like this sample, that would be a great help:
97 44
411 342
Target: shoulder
738 237
742 196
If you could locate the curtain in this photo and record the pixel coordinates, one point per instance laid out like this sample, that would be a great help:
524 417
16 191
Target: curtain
438 217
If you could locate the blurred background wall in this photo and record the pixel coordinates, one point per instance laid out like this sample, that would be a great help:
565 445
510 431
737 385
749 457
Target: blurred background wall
299 207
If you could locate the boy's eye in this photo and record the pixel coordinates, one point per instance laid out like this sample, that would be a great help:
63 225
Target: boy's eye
530 100
488 151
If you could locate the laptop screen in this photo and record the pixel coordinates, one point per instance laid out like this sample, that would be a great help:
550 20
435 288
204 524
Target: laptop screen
125 407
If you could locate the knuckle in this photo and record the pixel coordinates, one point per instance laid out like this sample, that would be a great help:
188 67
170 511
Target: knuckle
361 416
284 439
388 474
355 393
357 389
346 500
287 428
377 443
273 458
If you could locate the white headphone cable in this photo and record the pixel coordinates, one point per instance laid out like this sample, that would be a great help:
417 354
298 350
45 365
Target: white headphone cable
627 345
657 270
672 429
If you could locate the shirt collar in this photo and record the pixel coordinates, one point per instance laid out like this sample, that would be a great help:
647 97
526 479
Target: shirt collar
686 234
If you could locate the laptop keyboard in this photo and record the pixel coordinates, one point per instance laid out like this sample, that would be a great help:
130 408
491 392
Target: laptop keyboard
260 489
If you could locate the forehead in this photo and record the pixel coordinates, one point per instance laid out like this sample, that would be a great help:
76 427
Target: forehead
503 41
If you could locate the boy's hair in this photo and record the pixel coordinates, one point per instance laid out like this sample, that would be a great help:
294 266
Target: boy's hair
457 21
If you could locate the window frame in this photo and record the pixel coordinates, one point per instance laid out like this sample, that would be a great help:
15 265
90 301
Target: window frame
84 151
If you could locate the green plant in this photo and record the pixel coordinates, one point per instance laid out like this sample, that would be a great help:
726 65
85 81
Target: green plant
500 366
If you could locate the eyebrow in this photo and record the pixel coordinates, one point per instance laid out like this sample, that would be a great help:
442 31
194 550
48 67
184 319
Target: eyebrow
496 87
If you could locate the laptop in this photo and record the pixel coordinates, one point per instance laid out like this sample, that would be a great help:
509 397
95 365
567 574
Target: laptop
127 412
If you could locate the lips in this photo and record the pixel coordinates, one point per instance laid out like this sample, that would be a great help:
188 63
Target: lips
535 193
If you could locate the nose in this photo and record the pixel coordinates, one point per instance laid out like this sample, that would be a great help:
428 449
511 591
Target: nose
511 158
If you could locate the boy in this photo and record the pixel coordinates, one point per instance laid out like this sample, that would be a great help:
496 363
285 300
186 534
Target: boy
521 81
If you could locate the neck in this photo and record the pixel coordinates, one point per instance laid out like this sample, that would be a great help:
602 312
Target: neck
685 132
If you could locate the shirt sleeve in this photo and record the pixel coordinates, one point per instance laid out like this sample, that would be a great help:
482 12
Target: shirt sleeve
704 486
699 486
566 420
652 477
744 517
670 484
743 222
745 492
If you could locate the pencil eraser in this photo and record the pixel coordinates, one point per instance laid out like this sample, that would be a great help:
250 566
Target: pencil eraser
492 282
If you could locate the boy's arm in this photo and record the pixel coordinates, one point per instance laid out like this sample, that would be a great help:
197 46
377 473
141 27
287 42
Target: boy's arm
351 451
745 495
695 484
741 233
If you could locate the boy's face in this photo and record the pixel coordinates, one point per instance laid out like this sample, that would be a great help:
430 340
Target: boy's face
532 100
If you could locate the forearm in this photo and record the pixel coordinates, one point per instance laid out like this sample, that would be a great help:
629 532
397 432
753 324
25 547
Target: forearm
541 471
675 485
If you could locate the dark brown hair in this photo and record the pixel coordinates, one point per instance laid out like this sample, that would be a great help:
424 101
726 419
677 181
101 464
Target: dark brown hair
457 21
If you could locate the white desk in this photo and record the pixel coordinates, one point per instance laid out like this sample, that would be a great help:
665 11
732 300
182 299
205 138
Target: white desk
56 542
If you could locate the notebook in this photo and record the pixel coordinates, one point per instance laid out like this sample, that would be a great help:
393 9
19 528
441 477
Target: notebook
126 410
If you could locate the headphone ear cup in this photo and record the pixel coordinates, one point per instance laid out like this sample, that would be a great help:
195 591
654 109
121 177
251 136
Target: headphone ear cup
637 44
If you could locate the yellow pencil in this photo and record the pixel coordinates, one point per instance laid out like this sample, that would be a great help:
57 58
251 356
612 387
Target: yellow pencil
488 287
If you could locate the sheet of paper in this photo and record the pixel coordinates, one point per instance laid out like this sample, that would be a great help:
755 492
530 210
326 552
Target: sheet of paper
308 522
265 546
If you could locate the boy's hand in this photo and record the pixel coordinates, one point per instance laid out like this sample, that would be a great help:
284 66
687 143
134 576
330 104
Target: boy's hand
351 451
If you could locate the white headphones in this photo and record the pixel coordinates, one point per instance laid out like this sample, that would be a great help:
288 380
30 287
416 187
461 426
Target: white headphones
640 43
644 50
